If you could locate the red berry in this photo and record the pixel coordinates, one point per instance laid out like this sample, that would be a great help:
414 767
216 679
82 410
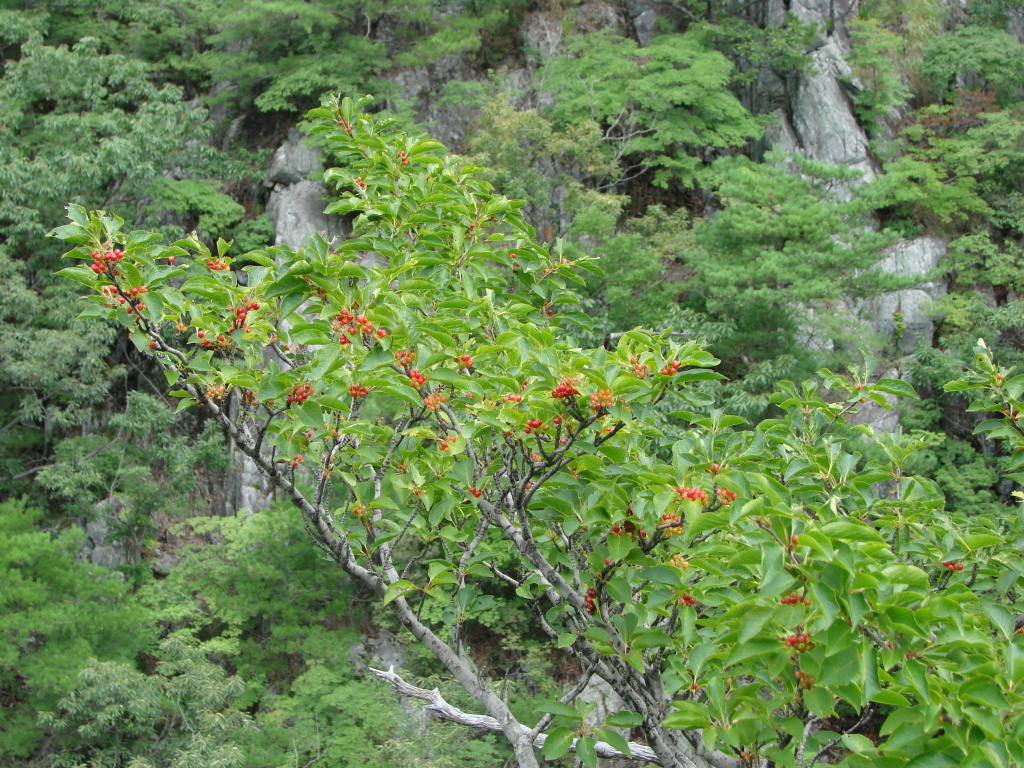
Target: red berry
607 561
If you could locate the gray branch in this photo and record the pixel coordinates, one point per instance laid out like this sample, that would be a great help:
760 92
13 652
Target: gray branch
446 711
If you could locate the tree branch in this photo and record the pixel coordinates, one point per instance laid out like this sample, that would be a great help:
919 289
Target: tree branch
447 712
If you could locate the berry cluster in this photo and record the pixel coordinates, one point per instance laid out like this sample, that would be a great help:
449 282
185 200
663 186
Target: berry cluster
602 398
805 680
359 182
433 401
217 265
794 599
417 378
687 599
476 492
464 362
693 494
512 399
216 391
588 601
358 509
726 495
354 326
299 393
101 261
241 313
446 443
801 643
405 357
566 388
357 391
534 425
675 530
952 566
641 370
670 369
679 562
222 342
402 157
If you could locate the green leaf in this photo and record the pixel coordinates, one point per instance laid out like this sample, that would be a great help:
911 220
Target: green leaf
624 719
687 715
560 709
894 387
619 547
819 702
557 743
397 589
614 739
753 622
585 751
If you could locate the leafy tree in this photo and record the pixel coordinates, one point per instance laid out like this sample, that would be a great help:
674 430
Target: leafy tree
750 598
664 107
873 57
55 613
781 246
181 716
975 56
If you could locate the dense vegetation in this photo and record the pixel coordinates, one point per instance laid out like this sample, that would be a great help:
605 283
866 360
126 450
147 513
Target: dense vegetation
207 639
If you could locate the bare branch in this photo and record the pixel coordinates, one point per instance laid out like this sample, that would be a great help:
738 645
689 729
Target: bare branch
446 711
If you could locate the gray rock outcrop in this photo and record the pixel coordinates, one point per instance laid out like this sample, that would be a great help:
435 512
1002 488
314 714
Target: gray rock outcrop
298 211
421 87
906 315
297 203
294 161
99 547
643 16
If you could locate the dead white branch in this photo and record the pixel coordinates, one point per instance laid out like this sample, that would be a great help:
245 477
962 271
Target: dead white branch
446 711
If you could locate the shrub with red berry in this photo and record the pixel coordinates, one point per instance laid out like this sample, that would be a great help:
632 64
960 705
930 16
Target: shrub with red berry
676 595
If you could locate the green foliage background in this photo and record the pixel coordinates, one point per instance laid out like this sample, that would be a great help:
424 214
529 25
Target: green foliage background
621 151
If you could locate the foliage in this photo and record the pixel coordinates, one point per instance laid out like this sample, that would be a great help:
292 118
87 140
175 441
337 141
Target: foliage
637 260
916 21
201 200
665 107
978 57
527 158
182 716
873 58
782 48
155 464
253 591
55 613
781 244
750 597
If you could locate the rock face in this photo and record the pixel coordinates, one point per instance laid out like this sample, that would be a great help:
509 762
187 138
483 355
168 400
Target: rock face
298 211
822 114
293 161
817 117
421 87
643 17
297 203
906 315
99 548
